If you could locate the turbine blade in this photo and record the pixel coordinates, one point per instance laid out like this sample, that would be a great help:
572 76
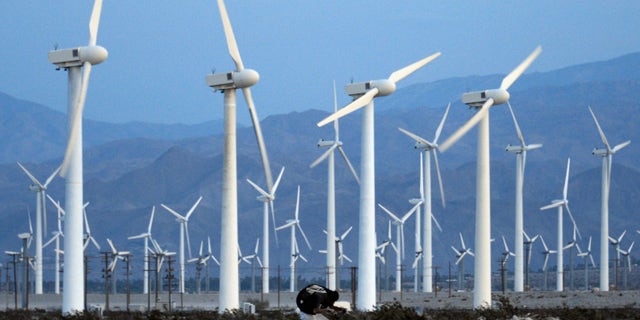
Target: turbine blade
404 72
344 235
173 212
153 212
467 126
258 132
517 72
566 181
440 185
552 205
356 104
76 124
602 136
515 122
417 137
393 216
575 226
351 168
193 208
186 231
273 221
260 190
620 146
113 248
436 221
31 177
94 22
272 192
231 39
439 130
323 156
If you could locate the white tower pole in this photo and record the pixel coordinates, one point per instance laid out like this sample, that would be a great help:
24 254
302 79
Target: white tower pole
292 277
482 278
57 275
331 223
604 225
38 255
399 257
518 285
419 250
427 253
560 266
265 246
366 297
73 294
145 289
181 285
229 298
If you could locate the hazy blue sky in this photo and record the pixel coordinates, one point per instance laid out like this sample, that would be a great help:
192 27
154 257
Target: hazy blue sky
160 51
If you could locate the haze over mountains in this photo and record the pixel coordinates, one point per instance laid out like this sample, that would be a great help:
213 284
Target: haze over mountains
131 167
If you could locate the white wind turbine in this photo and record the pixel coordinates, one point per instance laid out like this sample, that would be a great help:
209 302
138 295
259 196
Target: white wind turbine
484 100
241 78
626 254
562 203
615 242
267 199
184 228
147 262
117 255
364 94
41 220
546 252
56 237
586 255
341 256
460 254
331 191
521 160
528 242
399 222
428 147
78 62
88 236
295 254
607 160
199 261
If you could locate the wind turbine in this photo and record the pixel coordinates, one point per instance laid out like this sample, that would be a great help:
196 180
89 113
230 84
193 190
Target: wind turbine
241 78
626 254
562 203
460 254
586 254
571 245
364 94
199 261
78 62
484 100
184 228
527 248
88 236
607 160
399 222
117 255
546 252
267 199
339 251
147 262
41 218
331 191
212 257
521 159
56 237
428 147
615 242
503 263
295 254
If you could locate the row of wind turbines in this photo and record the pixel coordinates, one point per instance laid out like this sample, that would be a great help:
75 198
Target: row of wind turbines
79 61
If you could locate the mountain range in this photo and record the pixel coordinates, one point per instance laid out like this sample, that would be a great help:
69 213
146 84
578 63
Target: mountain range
131 167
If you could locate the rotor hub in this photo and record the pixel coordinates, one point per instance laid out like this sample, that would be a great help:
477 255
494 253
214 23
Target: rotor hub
93 54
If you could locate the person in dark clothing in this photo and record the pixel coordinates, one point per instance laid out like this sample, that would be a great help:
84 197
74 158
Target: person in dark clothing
315 298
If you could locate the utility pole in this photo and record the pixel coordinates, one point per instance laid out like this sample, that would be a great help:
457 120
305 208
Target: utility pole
107 275
25 277
14 256
169 278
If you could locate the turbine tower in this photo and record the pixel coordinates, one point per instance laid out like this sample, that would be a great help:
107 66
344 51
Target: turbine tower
184 228
521 159
147 259
267 199
564 202
241 78
484 100
78 62
607 160
41 220
364 94
428 147
331 191
56 237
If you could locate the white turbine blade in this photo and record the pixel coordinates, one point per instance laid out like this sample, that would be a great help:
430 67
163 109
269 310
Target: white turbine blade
362 101
113 249
272 192
410 212
602 136
554 204
273 220
56 204
231 39
346 159
31 177
260 190
55 236
404 72
436 222
440 185
55 173
421 180
173 212
622 235
140 236
416 137
344 235
323 156
112 265
504 242
460 258
575 226
95 243
193 208
515 122
336 126
393 216
546 260
185 225
75 127
464 247
255 250
517 72
467 126
593 263
439 130
458 253
153 212
258 132
620 146
94 22
286 225
200 251
566 181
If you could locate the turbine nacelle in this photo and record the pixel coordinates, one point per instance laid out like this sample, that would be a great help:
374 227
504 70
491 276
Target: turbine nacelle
327 143
385 87
600 152
76 57
520 149
477 98
233 80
